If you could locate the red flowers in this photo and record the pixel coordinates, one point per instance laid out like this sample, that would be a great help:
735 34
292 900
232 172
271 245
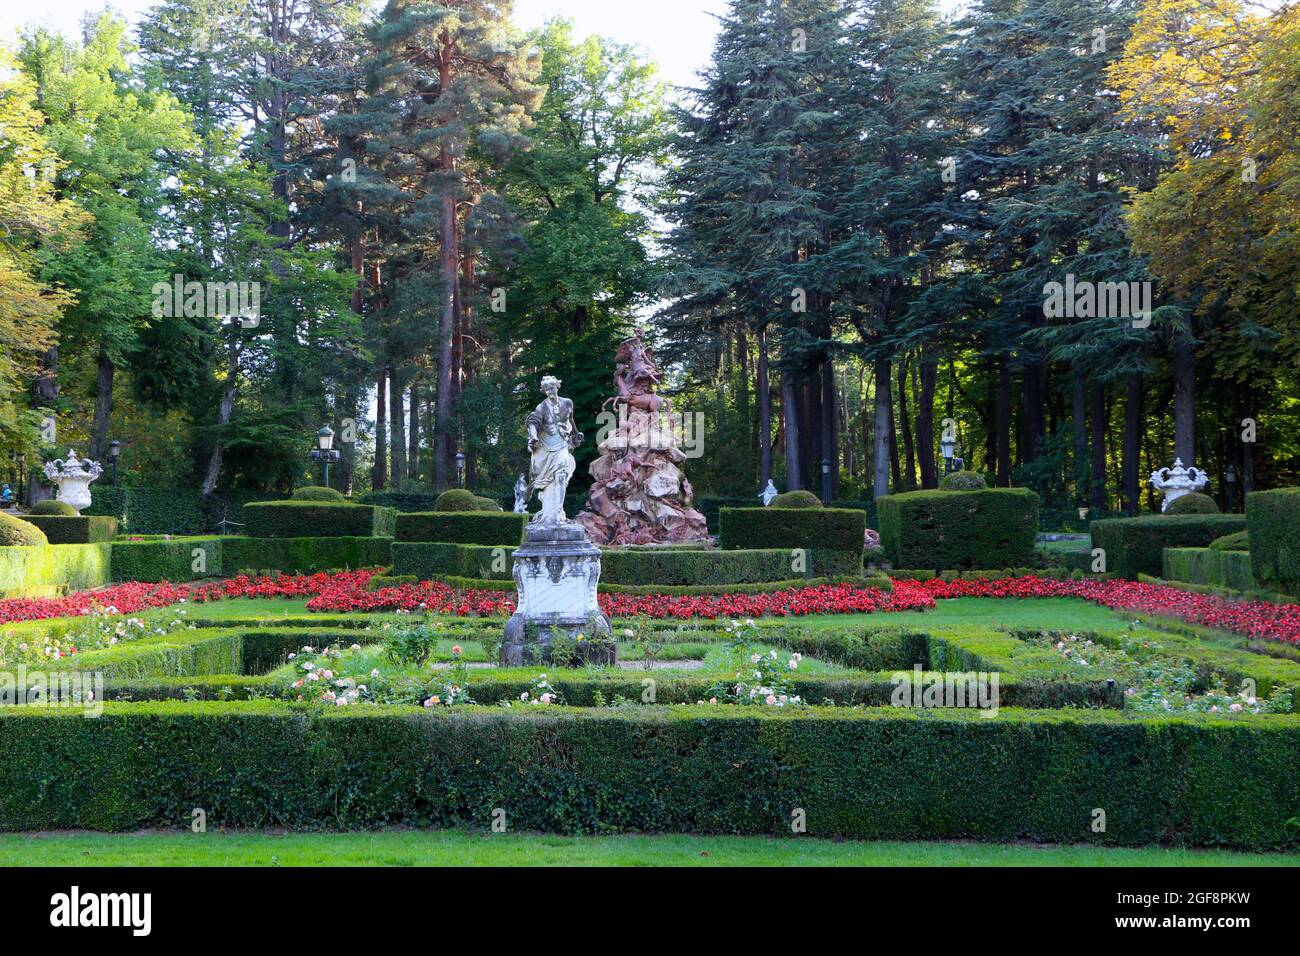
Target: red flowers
346 591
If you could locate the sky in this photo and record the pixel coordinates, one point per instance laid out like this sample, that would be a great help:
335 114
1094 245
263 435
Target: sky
678 34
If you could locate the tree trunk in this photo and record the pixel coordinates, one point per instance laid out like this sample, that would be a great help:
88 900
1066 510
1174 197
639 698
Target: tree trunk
1133 444
1033 411
1079 423
790 408
764 415
225 408
103 416
397 427
1002 415
883 429
379 471
1099 419
905 419
925 423
830 460
1185 403
413 454
448 258
348 449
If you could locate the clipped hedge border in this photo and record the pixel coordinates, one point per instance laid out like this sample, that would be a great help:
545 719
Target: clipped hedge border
314 519
75 529
51 569
304 555
833 537
943 530
1135 546
1224 569
180 559
867 774
462 527
1273 520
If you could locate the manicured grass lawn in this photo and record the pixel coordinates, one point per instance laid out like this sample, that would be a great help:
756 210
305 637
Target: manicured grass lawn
455 848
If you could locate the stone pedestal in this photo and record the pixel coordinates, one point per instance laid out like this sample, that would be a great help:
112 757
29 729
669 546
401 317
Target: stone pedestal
556 573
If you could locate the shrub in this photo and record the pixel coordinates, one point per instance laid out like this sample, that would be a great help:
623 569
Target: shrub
796 499
963 481
75 529
487 504
1134 546
992 528
317 493
401 500
17 533
151 510
53 569
1237 541
180 559
1192 503
1273 518
831 537
462 527
1214 566
52 506
457 499
305 555
683 769
306 519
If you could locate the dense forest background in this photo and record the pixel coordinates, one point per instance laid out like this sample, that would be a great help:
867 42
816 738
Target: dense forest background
839 242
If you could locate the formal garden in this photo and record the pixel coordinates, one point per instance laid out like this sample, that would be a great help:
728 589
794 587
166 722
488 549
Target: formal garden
451 440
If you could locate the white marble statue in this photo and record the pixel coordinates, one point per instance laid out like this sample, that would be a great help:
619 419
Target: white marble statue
768 493
552 436
521 495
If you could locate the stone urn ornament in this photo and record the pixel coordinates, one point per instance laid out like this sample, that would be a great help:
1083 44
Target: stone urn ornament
73 476
1177 481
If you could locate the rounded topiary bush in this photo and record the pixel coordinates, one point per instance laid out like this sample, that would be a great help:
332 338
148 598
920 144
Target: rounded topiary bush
1192 503
486 504
317 493
17 533
456 499
963 481
796 499
50 506
1237 541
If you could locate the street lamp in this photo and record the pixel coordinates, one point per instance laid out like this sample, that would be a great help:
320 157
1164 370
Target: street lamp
948 448
114 452
1232 486
325 452
460 469
826 481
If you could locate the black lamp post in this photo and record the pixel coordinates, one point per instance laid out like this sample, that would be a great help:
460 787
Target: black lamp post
1232 486
826 481
460 469
948 448
325 452
114 452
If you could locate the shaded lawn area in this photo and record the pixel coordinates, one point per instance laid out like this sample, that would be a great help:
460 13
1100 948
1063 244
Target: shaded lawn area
458 848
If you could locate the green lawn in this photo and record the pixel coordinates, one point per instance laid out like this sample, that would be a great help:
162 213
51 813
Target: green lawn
456 848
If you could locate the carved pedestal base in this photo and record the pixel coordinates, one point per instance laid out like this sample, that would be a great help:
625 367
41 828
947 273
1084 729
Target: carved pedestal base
556 573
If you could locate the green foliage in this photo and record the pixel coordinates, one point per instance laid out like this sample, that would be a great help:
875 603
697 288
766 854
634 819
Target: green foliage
963 481
16 533
796 499
52 506
831 537
152 510
53 569
1192 503
457 499
75 529
1220 567
688 769
173 560
1237 541
1273 518
300 519
1133 546
486 504
401 501
469 527
305 555
317 493
992 528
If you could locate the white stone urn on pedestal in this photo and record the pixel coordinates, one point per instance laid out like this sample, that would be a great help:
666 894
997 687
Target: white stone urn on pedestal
1177 481
73 477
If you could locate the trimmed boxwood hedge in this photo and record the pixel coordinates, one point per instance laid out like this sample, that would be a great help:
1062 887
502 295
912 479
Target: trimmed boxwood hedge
164 560
687 769
1135 546
1273 519
939 530
1227 569
51 569
462 527
304 555
75 529
312 519
833 537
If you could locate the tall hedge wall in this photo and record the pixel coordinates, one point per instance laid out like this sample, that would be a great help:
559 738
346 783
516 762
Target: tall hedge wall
171 510
833 537
1135 546
681 769
162 560
75 529
314 519
1273 519
304 555
1225 569
940 530
53 569
462 527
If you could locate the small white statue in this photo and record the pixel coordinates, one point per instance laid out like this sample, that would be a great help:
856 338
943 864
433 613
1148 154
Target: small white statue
768 493
521 495
552 436
1177 481
73 476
